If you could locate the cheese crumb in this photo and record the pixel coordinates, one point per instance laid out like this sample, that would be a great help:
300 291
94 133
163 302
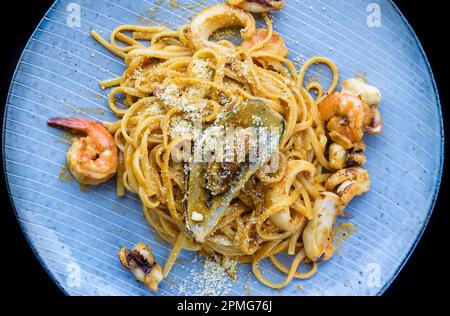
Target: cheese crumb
197 217
201 69
180 127
212 280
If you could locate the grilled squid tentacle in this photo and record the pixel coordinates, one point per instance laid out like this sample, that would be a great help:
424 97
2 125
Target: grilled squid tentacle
356 156
141 262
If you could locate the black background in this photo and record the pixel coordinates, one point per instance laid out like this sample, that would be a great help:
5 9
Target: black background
423 274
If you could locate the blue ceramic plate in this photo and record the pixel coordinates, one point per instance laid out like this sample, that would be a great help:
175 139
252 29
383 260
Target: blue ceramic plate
76 234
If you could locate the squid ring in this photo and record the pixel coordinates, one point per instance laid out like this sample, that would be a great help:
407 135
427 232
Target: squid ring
216 17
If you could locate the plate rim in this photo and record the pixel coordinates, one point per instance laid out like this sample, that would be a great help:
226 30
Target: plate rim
438 182
388 283
5 176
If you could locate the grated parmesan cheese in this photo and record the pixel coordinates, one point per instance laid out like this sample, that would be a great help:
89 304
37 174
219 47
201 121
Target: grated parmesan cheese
179 126
191 102
154 109
222 240
193 110
169 95
201 69
212 280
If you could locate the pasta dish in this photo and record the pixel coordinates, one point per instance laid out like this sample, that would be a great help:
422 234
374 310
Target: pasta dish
233 153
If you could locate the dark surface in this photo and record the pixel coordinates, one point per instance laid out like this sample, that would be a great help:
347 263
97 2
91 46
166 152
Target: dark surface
22 273
34 279
421 275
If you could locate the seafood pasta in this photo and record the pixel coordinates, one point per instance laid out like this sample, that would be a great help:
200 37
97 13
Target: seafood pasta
241 199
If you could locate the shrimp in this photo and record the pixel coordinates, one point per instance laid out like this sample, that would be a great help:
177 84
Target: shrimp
275 46
349 115
346 116
92 159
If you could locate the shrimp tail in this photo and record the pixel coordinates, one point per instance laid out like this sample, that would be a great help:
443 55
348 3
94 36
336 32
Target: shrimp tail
73 125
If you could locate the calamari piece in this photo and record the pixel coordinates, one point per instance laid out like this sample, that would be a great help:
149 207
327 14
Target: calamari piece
94 158
356 156
204 209
341 158
141 262
258 6
213 18
350 182
366 92
337 156
318 234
